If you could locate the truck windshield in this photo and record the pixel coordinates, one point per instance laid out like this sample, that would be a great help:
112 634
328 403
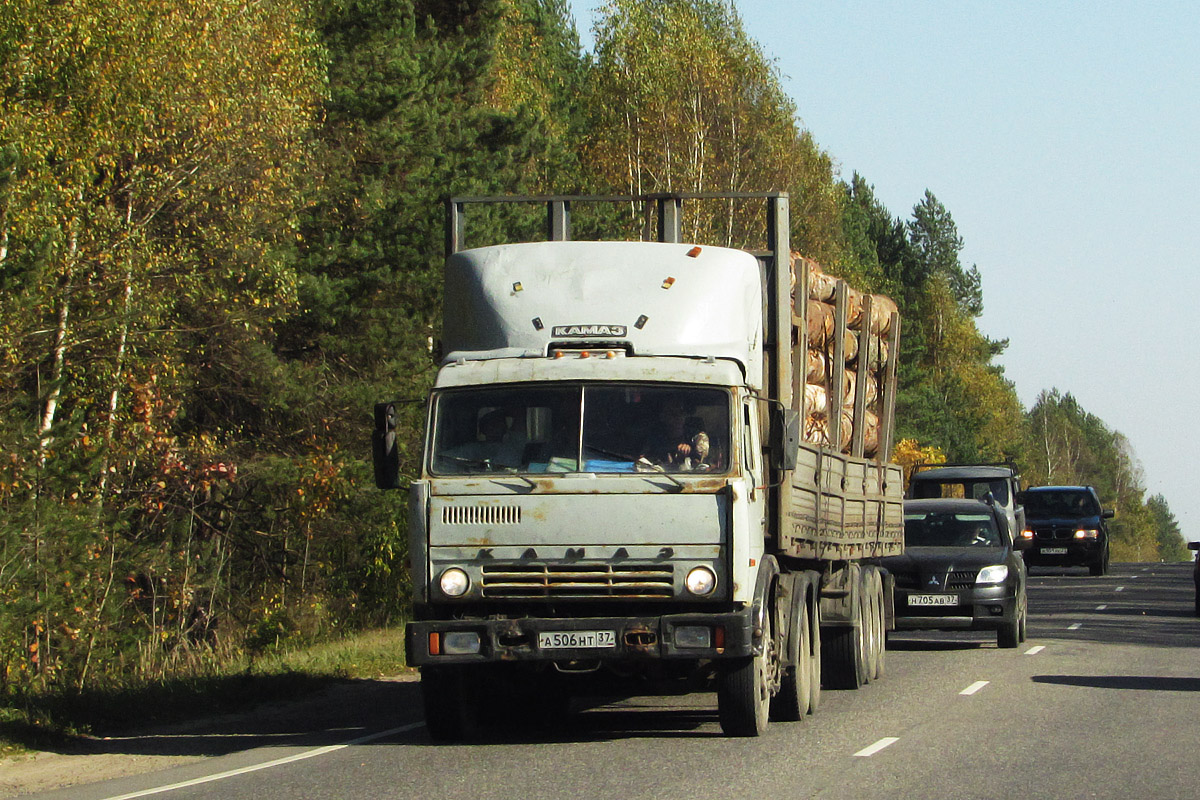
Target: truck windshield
582 428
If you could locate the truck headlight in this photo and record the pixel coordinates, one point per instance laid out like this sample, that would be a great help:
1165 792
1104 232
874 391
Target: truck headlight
701 581
454 582
993 574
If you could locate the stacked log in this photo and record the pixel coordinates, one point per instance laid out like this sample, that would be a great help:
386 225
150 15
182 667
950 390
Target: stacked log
820 323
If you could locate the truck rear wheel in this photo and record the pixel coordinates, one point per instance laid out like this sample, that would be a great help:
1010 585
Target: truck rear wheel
791 704
868 608
844 662
814 632
878 625
744 689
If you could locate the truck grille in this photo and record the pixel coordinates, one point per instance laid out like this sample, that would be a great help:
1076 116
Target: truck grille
576 581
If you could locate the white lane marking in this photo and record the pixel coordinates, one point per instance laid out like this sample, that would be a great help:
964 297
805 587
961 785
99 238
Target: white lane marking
320 751
1101 607
974 687
1037 648
886 741
1120 588
1074 626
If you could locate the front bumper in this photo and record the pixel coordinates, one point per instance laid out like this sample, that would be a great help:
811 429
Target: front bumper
980 609
643 638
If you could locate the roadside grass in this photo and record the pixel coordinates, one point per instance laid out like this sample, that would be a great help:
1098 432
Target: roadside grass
58 719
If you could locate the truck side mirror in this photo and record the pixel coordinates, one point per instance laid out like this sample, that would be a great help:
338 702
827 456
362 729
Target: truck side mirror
1019 497
383 447
785 438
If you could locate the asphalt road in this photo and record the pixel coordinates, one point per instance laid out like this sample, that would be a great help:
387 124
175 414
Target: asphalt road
1102 701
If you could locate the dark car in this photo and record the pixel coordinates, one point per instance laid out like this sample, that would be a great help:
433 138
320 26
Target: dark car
960 570
1196 574
1069 528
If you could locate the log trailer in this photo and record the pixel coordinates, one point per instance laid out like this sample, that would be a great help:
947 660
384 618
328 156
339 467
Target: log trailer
616 483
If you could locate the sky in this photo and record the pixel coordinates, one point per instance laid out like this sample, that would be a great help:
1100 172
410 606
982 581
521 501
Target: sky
1064 139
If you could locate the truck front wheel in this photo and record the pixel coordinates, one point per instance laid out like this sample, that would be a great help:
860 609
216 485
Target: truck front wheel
744 689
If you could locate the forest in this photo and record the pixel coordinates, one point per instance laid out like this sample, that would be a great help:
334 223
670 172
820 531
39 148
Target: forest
221 243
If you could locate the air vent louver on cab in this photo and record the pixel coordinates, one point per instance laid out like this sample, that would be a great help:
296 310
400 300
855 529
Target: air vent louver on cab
481 515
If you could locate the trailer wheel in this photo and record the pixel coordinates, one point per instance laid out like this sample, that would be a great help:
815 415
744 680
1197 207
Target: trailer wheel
870 627
814 634
791 704
449 710
744 689
879 624
843 658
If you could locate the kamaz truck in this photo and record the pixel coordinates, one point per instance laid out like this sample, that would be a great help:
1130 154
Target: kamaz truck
622 487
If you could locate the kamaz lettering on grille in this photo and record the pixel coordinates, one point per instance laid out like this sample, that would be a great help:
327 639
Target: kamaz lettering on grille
589 330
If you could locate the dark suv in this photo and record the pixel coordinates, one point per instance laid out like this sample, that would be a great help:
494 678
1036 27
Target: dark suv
1069 528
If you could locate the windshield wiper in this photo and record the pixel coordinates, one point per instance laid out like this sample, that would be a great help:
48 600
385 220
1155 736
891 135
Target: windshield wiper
645 467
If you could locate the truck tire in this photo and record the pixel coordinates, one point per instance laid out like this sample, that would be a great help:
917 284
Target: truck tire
871 629
744 689
791 704
449 710
879 624
814 634
844 649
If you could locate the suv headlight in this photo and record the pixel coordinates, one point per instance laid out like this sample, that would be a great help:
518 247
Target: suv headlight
1087 533
993 574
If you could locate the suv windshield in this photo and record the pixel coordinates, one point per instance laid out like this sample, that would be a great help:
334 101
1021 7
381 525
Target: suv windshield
582 428
1064 503
941 529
